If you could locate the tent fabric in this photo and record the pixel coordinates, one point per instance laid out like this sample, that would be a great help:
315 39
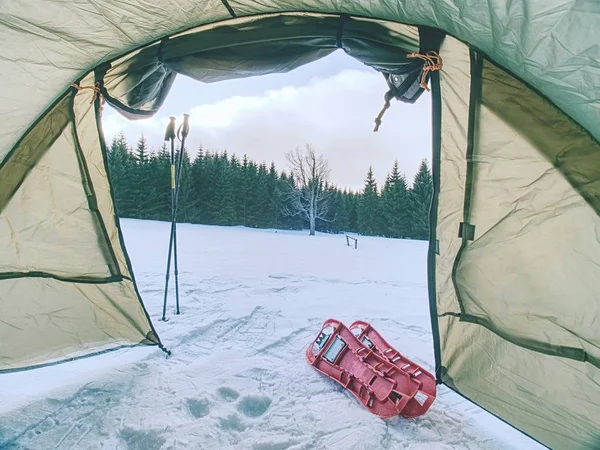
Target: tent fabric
66 288
513 261
520 134
251 46
137 84
550 399
54 320
517 307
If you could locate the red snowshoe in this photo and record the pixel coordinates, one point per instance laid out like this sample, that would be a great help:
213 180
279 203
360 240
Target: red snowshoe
420 403
376 382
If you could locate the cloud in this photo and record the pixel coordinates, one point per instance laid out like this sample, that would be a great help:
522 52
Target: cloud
112 123
335 114
225 113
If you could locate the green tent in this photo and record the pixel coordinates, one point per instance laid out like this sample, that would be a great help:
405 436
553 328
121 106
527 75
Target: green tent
514 259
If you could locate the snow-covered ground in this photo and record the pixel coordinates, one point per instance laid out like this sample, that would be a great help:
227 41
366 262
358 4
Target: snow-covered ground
252 300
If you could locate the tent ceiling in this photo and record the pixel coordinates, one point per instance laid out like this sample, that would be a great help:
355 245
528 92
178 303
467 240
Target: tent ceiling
552 45
138 83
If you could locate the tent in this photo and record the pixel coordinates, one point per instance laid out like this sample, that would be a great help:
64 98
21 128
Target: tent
514 254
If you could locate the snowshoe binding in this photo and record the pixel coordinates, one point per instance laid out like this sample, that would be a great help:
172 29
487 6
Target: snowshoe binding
420 403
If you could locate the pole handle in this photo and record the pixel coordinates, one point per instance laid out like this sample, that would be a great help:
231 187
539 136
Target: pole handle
170 131
184 128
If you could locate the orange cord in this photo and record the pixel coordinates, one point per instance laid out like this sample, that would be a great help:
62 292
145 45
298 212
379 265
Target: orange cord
433 62
97 93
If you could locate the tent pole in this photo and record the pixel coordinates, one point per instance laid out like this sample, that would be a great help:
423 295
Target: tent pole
170 136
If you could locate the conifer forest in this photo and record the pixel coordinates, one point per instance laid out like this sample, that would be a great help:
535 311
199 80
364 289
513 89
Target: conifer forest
218 188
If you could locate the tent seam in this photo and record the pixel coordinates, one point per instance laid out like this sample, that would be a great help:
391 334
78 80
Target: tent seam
12 153
74 358
562 351
86 180
229 8
436 119
104 151
41 274
476 71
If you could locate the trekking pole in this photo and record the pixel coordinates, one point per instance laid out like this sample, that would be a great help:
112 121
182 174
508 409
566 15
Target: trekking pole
182 133
170 136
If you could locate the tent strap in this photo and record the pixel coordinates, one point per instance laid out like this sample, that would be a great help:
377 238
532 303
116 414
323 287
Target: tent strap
97 93
433 62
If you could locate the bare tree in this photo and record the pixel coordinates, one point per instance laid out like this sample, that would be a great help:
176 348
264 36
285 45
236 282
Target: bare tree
310 196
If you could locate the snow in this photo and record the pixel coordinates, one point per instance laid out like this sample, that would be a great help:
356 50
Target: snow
251 300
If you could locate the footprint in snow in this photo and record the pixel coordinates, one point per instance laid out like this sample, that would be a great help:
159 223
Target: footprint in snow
254 406
142 439
198 407
232 422
228 394
275 445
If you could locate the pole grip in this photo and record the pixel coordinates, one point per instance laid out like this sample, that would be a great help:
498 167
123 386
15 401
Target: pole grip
170 131
184 128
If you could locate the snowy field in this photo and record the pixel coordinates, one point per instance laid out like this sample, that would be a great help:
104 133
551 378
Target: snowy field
252 300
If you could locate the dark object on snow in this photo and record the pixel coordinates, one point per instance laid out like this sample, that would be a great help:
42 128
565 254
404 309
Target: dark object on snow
354 239
360 360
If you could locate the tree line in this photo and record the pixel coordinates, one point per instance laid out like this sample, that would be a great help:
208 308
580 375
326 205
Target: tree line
222 189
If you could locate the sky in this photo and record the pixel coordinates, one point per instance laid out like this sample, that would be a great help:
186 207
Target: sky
331 104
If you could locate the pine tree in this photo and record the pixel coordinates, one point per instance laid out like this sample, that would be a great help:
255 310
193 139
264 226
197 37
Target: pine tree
337 220
273 206
394 202
287 184
217 189
120 168
142 185
368 214
224 199
342 212
352 202
141 153
160 175
209 185
260 197
243 200
420 202
183 200
283 186
194 189
236 183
